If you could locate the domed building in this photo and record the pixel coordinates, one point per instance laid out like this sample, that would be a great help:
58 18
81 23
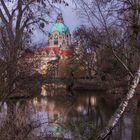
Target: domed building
59 45
59 39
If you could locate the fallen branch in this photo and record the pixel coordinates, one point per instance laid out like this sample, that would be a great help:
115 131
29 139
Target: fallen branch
118 113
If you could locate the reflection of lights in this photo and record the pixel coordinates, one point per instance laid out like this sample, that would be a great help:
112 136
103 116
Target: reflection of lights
51 105
35 102
80 108
93 100
44 102
43 90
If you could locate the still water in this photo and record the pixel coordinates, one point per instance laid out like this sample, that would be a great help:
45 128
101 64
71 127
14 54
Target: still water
77 117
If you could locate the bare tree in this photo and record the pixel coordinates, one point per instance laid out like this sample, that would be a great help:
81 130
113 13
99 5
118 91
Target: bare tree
85 51
124 15
16 25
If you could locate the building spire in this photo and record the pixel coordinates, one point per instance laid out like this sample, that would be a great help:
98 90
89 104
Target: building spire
60 18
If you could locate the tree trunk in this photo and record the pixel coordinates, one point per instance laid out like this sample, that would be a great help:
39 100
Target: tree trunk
118 113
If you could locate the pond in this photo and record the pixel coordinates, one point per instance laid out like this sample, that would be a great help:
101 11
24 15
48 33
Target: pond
77 117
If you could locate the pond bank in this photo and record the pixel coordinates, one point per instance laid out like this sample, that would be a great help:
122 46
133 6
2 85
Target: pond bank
112 87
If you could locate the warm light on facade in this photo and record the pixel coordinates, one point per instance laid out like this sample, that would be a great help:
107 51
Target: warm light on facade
43 69
43 90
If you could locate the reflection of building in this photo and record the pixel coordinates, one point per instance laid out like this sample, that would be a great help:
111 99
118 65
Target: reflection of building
54 109
59 115
59 43
54 112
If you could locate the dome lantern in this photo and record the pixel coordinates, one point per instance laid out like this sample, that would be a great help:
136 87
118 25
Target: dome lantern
59 25
60 18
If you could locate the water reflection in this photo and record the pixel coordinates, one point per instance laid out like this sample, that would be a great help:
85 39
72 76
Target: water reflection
78 117
129 125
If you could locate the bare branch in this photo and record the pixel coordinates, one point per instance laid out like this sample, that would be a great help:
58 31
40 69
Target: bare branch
3 17
5 8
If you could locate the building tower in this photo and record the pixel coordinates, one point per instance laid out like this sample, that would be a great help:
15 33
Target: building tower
59 40
59 47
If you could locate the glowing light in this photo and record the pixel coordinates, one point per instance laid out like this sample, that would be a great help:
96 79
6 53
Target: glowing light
43 90
80 108
44 69
93 100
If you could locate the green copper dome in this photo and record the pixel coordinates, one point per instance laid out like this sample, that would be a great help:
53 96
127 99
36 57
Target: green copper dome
60 27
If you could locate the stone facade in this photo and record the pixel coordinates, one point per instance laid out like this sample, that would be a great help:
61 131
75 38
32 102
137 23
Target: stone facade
59 47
